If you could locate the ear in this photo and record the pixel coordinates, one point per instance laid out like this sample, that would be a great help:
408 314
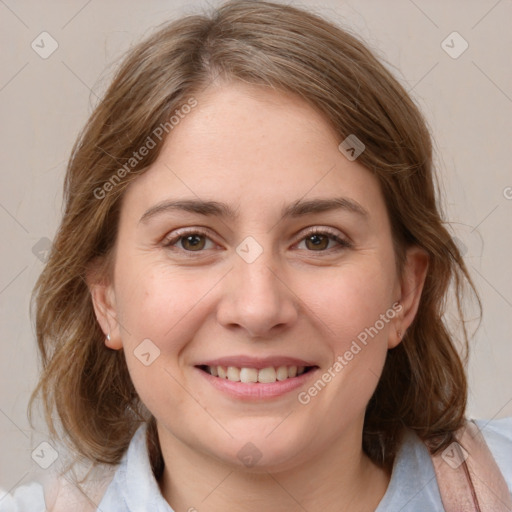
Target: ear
103 300
410 288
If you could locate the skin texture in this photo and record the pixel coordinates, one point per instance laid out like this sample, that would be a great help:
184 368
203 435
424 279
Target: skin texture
257 150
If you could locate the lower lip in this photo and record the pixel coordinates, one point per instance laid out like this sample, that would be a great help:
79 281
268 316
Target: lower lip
257 390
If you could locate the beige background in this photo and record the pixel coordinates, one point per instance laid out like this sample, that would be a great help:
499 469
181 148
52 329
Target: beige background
44 103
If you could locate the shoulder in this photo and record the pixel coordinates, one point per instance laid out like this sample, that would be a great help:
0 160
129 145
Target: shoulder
412 486
134 486
110 488
52 492
25 497
498 436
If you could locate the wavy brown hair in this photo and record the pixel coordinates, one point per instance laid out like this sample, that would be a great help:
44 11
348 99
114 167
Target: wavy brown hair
423 385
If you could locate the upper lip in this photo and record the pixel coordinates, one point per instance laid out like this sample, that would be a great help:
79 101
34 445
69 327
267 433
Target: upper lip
256 362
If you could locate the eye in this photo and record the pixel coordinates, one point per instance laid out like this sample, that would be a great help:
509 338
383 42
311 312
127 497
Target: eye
190 240
316 240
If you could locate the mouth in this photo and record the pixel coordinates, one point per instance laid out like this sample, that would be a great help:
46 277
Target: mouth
250 375
256 384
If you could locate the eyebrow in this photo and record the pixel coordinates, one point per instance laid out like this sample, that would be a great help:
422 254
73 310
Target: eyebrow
296 209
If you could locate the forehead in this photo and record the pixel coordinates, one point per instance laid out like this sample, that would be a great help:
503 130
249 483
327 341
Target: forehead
253 148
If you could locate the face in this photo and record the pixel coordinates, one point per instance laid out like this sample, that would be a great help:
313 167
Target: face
195 287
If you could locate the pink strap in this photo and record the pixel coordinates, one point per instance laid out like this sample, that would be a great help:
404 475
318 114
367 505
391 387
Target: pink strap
468 477
63 494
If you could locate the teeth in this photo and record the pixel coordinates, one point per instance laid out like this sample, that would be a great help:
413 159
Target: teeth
233 374
264 375
248 375
282 373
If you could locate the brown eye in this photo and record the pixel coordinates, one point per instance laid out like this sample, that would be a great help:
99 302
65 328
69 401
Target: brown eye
192 242
196 241
189 241
318 241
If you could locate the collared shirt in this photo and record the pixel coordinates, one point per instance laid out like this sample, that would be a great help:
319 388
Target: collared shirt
412 488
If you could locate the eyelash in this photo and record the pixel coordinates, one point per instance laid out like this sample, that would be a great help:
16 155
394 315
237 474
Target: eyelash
343 243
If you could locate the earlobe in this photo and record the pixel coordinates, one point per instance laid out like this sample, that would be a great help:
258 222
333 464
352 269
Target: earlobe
396 335
411 287
103 300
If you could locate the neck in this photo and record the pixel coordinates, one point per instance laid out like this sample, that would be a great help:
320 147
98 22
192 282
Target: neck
341 478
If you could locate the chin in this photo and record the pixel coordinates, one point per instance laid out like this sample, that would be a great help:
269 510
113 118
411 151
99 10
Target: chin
264 452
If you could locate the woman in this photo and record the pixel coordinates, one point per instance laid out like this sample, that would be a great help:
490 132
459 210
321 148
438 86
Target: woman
243 306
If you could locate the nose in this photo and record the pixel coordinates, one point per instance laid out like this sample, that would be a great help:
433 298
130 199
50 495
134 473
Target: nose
257 298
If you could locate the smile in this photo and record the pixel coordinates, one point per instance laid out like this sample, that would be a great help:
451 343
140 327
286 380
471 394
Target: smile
254 375
257 384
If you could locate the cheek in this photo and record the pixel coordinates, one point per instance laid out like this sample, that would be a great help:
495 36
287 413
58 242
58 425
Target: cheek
351 299
354 315
156 302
